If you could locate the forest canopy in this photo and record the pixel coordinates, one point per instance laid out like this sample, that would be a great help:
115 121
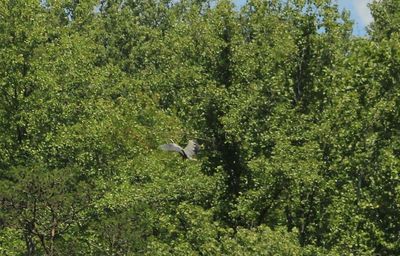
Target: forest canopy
298 122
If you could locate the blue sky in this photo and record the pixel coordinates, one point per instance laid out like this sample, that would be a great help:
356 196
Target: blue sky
359 13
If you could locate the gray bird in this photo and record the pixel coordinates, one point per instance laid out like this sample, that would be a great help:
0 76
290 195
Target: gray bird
191 149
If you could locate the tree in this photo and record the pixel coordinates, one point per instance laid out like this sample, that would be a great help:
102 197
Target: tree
297 118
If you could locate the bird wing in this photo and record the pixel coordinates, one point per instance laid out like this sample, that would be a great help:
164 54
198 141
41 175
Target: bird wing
171 147
191 149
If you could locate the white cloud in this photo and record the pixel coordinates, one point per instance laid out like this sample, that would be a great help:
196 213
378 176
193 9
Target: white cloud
362 11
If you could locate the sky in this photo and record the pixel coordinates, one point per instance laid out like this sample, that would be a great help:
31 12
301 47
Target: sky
359 12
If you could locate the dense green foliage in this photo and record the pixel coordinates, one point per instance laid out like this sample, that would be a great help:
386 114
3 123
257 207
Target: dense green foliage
299 123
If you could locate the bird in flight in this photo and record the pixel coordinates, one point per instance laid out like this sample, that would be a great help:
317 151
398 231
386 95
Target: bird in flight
191 149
